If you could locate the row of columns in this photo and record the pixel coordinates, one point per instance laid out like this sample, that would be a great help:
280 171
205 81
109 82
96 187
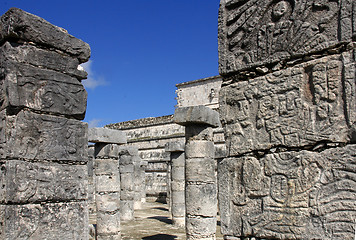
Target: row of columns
119 177
119 185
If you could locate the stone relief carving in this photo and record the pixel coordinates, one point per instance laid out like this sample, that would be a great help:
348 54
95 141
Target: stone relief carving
253 33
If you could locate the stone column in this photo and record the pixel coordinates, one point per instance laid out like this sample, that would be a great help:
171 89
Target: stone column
43 143
177 182
128 155
107 180
138 181
200 181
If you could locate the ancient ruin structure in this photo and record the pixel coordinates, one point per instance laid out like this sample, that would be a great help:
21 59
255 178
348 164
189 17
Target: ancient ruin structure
43 148
283 147
107 181
287 106
150 135
176 182
200 179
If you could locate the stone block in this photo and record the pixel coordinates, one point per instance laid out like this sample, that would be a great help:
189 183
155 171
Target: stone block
106 135
33 136
107 183
127 195
126 210
18 24
178 197
105 150
295 107
258 33
290 195
200 169
127 181
202 200
178 210
178 174
200 228
177 186
109 203
196 115
199 149
174 147
25 182
108 224
106 167
42 90
55 221
42 58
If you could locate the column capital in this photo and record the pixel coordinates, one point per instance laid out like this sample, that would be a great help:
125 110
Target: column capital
196 115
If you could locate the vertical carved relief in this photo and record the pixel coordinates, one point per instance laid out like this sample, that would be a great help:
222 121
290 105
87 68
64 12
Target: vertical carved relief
254 32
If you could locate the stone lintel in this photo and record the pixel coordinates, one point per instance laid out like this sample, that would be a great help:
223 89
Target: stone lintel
199 115
18 24
174 147
105 135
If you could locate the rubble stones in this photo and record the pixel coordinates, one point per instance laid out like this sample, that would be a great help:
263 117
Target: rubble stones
257 33
18 24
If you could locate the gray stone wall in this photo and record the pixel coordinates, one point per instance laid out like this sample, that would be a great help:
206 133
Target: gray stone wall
43 145
287 107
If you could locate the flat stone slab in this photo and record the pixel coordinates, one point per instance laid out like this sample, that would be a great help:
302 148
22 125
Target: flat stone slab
174 147
200 115
16 23
105 135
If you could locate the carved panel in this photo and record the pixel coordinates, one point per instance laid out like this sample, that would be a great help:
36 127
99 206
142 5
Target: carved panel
34 136
295 107
290 195
258 32
25 182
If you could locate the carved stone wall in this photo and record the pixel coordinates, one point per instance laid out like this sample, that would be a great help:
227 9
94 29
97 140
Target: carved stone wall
287 107
43 145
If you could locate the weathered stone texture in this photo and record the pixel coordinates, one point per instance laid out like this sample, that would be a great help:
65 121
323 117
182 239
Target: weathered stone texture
105 135
254 33
33 136
299 106
50 221
19 24
290 195
41 90
26 182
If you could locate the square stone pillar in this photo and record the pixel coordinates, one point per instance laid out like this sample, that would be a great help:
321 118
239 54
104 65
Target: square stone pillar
177 182
43 143
107 181
200 180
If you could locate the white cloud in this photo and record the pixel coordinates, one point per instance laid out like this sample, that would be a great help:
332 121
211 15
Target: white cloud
93 80
94 123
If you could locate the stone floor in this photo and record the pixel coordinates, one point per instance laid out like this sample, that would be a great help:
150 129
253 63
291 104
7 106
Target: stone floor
153 222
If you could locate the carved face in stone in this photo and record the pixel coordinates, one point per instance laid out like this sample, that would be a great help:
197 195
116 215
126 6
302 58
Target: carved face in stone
279 10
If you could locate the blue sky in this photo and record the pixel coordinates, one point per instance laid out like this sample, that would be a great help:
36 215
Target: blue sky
140 50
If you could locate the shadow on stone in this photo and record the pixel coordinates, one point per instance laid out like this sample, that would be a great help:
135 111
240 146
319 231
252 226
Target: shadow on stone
162 219
161 208
161 237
